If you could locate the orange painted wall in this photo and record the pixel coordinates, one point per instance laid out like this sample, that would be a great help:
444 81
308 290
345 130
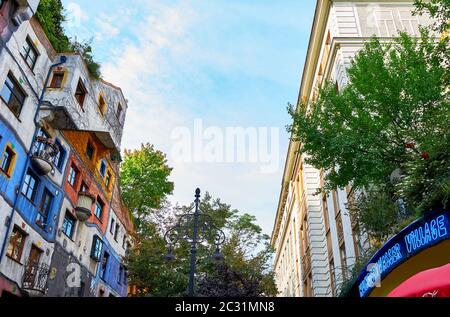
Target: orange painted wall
79 140
72 192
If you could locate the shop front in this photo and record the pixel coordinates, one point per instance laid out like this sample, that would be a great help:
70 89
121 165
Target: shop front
414 263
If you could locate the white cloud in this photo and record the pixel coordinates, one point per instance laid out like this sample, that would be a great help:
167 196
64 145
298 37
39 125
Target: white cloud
136 68
106 27
75 15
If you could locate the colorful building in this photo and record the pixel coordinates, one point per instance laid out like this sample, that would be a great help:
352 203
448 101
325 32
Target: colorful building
63 226
315 239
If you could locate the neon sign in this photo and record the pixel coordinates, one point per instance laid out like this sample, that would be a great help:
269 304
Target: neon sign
420 235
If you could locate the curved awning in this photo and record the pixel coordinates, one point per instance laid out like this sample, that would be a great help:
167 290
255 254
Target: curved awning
430 283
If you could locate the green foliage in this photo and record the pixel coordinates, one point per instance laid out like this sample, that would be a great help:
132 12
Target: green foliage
426 184
246 269
437 9
145 184
85 50
352 273
376 211
51 16
395 97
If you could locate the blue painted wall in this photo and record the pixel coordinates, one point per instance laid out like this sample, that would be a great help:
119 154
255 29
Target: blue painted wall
112 270
8 185
29 210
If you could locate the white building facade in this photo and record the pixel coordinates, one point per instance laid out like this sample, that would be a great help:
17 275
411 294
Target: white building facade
315 239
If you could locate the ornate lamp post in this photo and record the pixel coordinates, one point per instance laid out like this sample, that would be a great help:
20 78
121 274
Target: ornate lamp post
194 228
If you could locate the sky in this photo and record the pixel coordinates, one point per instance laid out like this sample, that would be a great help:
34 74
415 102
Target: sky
219 64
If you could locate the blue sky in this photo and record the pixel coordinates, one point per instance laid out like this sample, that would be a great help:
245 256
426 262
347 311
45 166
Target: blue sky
231 63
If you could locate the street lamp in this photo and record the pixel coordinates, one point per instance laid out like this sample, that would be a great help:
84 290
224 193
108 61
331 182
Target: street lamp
194 228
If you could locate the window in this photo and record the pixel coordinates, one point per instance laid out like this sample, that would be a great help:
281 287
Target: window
38 145
8 159
102 168
97 246
119 112
111 229
29 53
30 186
68 226
73 173
80 93
124 241
101 105
60 156
108 179
57 80
13 95
104 265
99 205
84 188
16 244
116 233
90 150
44 210
120 276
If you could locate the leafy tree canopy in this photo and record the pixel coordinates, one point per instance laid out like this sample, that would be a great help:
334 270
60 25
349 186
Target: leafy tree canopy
144 176
394 111
51 15
245 270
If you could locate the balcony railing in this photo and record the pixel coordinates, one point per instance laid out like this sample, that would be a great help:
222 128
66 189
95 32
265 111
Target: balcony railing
35 279
43 155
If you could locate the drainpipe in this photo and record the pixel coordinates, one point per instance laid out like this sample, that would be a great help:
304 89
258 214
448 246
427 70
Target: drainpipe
63 59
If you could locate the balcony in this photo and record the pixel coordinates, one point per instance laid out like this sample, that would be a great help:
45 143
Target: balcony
84 205
43 155
35 279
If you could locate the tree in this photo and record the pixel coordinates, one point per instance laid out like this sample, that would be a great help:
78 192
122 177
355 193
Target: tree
51 15
144 180
247 257
394 114
437 9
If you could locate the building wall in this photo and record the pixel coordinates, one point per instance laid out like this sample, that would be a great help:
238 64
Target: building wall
339 31
71 125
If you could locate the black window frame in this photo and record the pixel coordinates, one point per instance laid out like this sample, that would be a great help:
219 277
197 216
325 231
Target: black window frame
111 228
102 168
45 207
13 94
60 157
104 265
90 150
30 175
80 93
100 202
8 156
68 218
116 231
31 47
72 177
97 248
